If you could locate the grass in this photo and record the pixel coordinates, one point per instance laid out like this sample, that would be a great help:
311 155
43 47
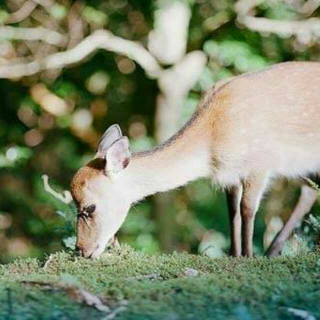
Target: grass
224 288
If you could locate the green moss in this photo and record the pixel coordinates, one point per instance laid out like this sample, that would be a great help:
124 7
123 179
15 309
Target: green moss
233 288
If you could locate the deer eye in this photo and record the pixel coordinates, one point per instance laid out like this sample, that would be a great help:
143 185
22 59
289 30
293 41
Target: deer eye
90 209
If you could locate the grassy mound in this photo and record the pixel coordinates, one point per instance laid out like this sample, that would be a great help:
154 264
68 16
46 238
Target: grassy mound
132 285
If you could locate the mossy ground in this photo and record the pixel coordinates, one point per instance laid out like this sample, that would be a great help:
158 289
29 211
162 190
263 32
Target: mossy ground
224 288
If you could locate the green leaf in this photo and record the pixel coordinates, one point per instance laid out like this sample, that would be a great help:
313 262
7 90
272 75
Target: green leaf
70 242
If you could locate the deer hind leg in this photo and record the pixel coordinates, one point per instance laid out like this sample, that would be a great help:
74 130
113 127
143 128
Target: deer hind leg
306 200
233 199
253 189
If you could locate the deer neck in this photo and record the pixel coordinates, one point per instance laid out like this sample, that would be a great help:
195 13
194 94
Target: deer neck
183 158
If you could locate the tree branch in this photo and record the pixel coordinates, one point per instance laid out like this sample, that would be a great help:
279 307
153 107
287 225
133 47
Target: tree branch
45 3
309 7
100 39
32 34
311 26
243 7
23 12
306 30
65 197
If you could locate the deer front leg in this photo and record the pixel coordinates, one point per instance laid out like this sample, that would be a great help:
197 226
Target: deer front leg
233 199
306 200
253 189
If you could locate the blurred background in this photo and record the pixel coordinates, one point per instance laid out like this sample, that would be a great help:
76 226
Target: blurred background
70 69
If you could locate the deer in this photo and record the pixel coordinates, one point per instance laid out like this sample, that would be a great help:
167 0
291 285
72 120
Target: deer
245 132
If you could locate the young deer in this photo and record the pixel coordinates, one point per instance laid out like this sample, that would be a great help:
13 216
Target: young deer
244 133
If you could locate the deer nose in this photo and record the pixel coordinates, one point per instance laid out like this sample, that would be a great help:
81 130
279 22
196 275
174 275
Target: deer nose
79 249
82 251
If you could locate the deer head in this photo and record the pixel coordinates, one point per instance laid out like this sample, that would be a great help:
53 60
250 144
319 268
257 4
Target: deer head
97 191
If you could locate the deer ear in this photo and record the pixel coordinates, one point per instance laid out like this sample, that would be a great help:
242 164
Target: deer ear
111 135
118 155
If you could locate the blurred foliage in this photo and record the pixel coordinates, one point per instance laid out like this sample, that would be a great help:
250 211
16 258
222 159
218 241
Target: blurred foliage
108 88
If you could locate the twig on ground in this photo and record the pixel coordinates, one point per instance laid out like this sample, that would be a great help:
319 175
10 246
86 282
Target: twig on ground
150 276
302 314
83 296
74 292
88 298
